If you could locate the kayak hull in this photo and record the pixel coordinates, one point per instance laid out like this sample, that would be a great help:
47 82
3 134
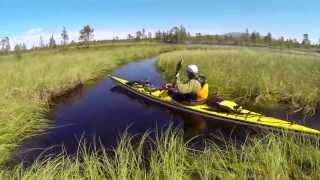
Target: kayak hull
244 117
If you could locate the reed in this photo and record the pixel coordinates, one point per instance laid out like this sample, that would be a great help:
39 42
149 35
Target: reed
28 83
254 77
170 157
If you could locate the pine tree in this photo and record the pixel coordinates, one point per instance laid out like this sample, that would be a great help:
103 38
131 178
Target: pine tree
143 33
64 36
268 38
52 42
138 35
17 51
23 47
41 43
86 35
306 40
5 45
149 36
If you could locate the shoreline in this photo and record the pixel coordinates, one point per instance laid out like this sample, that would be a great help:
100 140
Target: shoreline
46 99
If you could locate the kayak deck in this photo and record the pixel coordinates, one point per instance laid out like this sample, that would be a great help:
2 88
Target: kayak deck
244 116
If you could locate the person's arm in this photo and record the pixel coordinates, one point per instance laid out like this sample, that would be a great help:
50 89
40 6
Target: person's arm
185 88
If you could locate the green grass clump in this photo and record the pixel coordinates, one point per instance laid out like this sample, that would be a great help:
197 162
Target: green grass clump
169 157
254 77
27 83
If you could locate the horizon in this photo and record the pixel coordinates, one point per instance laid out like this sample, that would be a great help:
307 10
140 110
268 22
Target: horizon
289 19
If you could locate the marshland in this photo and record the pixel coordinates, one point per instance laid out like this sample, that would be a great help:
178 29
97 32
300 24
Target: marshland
253 78
62 116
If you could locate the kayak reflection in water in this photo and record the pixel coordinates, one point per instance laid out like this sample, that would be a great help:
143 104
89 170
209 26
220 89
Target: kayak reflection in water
193 92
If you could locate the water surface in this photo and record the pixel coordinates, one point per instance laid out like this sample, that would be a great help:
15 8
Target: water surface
102 112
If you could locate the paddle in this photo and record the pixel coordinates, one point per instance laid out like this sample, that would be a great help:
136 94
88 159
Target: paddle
179 66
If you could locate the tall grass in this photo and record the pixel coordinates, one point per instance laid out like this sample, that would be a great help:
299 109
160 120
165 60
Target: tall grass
255 77
26 84
169 157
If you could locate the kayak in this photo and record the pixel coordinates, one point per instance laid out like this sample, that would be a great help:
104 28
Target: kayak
227 111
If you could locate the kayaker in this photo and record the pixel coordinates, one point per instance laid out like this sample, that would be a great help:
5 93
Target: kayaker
194 91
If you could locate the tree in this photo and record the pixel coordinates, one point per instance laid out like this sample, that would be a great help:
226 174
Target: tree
188 35
138 35
143 33
130 37
86 35
198 35
17 51
177 34
306 40
3 41
41 43
268 38
64 36
182 34
149 35
281 39
23 47
116 38
165 36
296 43
5 45
52 42
72 43
253 36
247 35
158 35
174 35
258 36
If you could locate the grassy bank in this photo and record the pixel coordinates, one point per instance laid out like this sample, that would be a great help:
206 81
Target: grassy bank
270 157
255 77
28 83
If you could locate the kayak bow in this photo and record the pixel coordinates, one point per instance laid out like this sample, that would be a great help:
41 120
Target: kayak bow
241 116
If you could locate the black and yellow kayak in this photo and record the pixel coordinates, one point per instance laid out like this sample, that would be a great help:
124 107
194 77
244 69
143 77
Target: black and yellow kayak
229 111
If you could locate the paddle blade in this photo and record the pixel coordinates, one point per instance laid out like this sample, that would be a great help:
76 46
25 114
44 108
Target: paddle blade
179 65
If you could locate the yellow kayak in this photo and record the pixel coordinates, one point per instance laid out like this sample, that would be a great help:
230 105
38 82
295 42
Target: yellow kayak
236 114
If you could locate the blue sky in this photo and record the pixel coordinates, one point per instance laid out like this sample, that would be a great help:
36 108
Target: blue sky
26 20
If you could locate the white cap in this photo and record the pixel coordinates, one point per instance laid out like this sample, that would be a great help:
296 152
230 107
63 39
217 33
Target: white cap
193 68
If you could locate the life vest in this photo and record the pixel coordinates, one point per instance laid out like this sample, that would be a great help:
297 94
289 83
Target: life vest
203 93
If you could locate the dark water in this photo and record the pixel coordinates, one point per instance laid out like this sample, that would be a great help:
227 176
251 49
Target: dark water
102 112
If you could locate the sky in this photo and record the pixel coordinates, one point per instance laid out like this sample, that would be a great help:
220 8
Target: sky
27 20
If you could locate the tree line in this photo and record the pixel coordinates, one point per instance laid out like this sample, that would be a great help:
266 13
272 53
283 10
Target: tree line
179 34
253 39
175 35
86 34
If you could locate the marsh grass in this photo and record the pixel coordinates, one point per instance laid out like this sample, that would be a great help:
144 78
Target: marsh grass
254 77
27 83
170 157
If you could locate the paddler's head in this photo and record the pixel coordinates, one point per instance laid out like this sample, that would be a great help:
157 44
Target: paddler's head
192 71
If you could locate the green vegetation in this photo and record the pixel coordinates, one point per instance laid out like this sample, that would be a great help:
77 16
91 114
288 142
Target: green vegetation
28 83
253 77
258 77
255 39
270 157
86 35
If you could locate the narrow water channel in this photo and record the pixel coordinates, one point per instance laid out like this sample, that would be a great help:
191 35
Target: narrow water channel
102 112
